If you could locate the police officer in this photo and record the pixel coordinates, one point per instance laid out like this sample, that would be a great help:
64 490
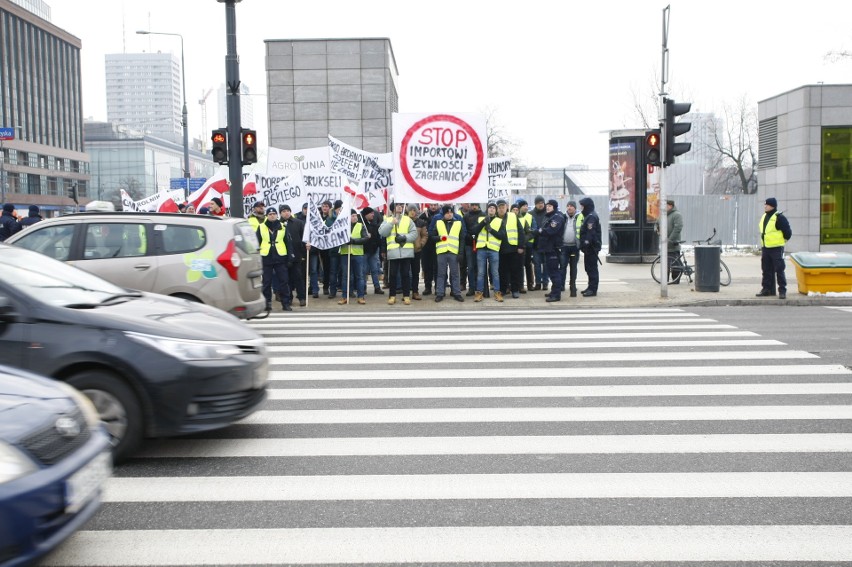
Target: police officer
271 235
775 231
549 240
590 245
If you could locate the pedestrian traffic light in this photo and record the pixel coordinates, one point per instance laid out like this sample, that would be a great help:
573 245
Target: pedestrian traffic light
652 147
673 129
220 146
249 146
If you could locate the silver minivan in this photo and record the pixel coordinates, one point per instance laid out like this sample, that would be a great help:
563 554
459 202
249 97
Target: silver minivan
201 258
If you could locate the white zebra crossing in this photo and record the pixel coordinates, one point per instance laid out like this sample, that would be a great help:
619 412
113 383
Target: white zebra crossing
737 388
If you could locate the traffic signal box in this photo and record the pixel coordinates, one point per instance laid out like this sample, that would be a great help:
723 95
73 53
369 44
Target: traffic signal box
249 146
672 129
220 146
652 148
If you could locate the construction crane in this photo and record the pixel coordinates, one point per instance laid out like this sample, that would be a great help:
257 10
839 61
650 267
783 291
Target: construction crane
205 135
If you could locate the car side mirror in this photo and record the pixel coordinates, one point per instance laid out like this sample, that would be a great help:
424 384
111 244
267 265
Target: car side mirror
7 312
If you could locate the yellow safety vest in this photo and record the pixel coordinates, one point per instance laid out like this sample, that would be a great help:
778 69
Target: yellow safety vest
255 222
526 222
512 226
449 241
578 224
491 241
401 228
356 249
771 236
266 244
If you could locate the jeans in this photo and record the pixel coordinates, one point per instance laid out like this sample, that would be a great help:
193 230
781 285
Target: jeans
470 259
334 273
372 267
313 269
277 272
450 261
570 259
540 267
492 259
356 265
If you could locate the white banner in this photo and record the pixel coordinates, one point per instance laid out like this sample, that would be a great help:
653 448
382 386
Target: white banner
348 161
505 188
498 168
127 202
310 161
277 191
317 233
440 158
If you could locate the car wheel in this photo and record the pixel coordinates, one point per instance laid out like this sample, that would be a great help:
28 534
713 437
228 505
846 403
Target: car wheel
117 407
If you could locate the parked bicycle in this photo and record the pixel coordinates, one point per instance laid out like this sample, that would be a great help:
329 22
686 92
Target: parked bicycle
680 267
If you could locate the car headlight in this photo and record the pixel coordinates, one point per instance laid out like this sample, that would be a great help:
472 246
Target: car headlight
14 463
87 408
186 349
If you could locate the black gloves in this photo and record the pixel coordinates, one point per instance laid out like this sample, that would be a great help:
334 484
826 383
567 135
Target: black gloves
400 239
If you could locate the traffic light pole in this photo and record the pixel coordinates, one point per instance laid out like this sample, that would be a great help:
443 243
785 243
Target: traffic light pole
232 95
661 202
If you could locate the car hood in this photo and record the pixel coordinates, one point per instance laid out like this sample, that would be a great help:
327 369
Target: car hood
25 400
168 317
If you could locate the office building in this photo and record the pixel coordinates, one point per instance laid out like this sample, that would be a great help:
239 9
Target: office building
144 93
246 107
41 106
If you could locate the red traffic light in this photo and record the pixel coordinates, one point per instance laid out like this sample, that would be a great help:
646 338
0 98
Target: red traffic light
249 146
218 138
248 138
652 147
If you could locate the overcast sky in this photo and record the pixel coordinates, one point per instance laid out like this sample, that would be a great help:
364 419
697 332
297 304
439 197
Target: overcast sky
557 75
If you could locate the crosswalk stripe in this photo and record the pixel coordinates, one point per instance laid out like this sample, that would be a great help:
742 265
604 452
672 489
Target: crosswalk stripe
508 314
479 486
560 391
394 357
499 544
687 372
386 328
537 414
518 338
502 445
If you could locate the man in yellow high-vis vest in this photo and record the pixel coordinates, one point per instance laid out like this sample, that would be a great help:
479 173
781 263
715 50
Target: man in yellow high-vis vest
775 231
448 234
271 235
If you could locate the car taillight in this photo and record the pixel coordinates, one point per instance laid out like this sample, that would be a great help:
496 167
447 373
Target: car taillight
230 260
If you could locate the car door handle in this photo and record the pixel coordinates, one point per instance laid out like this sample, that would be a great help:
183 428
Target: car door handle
142 266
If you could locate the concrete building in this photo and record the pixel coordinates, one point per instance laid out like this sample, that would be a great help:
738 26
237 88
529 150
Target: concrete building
41 103
343 87
805 162
143 92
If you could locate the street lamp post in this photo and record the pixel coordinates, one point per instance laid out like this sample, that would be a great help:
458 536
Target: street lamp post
186 172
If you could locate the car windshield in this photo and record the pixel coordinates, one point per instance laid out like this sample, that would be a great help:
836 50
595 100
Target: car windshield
50 281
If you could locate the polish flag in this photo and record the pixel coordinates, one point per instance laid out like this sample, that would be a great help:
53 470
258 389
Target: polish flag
249 185
359 200
166 204
215 186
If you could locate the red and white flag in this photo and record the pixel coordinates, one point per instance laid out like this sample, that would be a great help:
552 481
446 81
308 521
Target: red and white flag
215 186
166 203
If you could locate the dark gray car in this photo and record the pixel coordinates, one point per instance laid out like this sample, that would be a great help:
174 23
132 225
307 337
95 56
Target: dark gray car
152 365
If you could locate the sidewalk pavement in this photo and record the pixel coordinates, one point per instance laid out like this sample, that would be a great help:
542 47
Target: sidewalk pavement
621 286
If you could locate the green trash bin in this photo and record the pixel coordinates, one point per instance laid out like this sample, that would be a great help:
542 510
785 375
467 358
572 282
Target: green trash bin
707 267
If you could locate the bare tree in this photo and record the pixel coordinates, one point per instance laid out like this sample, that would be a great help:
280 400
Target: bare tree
500 143
733 145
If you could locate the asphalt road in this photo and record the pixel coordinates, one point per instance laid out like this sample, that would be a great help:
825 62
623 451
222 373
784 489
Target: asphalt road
630 436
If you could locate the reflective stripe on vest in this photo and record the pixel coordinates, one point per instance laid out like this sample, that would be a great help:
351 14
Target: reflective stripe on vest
357 249
265 243
401 228
771 236
449 241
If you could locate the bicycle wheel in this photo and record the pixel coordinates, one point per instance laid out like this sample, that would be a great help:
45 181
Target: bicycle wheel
677 269
655 269
724 274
